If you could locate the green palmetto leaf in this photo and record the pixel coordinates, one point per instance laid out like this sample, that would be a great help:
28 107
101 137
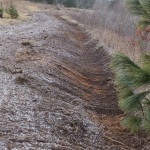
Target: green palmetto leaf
133 102
132 123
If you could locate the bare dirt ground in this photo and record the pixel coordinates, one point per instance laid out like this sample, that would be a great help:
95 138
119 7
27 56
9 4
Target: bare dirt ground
50 79
56 89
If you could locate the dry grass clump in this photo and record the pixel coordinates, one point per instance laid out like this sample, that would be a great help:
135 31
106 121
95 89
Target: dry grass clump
113 26
116 43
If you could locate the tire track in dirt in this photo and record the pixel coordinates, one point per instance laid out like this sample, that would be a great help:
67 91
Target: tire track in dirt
50 79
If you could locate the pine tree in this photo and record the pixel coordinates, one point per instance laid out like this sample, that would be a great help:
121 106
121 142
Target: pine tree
12 11
132 79
140 8
129 78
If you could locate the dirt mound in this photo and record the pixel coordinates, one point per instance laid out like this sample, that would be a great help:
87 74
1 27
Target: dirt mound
50 78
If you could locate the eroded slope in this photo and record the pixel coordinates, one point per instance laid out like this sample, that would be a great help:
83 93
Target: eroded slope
50 76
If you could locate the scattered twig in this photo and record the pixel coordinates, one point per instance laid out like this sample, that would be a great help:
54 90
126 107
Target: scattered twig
115 141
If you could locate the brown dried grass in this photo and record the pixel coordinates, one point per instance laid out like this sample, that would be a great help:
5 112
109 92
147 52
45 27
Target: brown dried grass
25 8
113 28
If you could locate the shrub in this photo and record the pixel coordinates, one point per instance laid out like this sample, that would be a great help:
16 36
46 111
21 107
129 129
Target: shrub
133 96
1 12
12 11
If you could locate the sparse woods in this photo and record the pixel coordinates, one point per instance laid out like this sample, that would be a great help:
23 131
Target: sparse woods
133 80
69 3
10 10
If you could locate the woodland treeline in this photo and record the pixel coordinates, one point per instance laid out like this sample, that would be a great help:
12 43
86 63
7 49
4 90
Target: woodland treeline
70 3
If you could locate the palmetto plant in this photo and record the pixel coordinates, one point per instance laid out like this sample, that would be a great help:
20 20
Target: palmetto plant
131 80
